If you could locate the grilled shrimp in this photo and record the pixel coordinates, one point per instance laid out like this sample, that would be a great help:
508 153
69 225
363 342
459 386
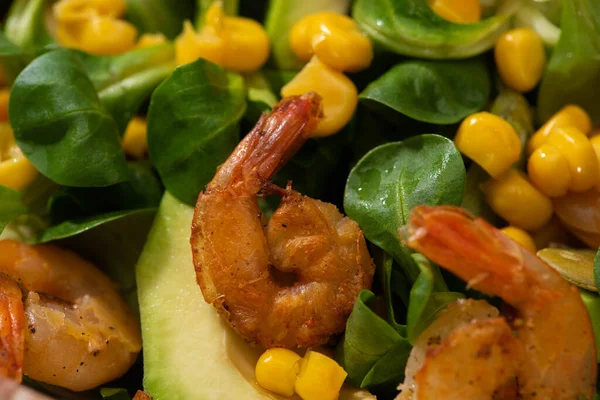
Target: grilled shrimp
62 320
293 282
557 356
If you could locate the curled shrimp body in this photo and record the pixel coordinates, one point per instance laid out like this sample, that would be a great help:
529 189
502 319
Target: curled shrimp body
293 282
551 322
62 320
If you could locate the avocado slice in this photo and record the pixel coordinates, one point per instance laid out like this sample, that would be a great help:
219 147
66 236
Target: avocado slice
189 352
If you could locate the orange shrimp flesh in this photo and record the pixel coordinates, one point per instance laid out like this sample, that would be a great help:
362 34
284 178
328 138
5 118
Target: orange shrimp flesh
552 323
293 282
66 324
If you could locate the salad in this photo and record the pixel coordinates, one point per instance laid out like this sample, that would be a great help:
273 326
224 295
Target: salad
317 200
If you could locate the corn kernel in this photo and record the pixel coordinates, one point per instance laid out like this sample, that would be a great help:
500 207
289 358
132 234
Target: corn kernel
513 198
235 43
134 140
520 59
334 38
457 11
320 377
150 40
277 369
549 171
339 94
490 141
4 97
16 172
569 115
521 237
580 155
76 11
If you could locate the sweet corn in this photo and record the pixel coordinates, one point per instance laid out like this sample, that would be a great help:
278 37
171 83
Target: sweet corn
569 115
4 97
549 171
521 237
490 141
339 94
334 38
277 369
16 172
515 199
320 377
134 140
520 58
150 40
234 43
580 155
92 26
75 11
457 11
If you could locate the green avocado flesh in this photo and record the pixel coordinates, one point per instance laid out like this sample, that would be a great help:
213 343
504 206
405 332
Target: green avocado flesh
189 352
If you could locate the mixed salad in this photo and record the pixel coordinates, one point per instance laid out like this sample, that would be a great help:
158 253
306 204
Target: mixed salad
219 199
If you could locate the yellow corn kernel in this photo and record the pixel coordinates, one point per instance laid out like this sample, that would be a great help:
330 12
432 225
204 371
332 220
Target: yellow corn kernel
16 172
513 198
457 11
235 43
569 115
4 97
339 94
490 141
150 40
520 59
75 11
277 369
320 377
580 155
549 171
134 140
334 38
99 36
521 237
190 46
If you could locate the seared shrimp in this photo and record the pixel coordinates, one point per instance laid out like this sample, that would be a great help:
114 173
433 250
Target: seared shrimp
293 282
62 320
551 322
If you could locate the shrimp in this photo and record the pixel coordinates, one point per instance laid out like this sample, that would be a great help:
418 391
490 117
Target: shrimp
293 282
580 214
62 320
553 328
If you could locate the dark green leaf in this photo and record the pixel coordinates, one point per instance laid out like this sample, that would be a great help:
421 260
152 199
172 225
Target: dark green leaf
592 302
76 226
394 287
61 126
388 371
439 92
125 81
165 16
425 302
142 189
11 206
573 72
393 178
368 338
114 394
192 125
281 17
411 28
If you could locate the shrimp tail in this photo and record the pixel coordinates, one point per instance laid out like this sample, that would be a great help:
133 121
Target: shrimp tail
469 247
271 143
12 330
